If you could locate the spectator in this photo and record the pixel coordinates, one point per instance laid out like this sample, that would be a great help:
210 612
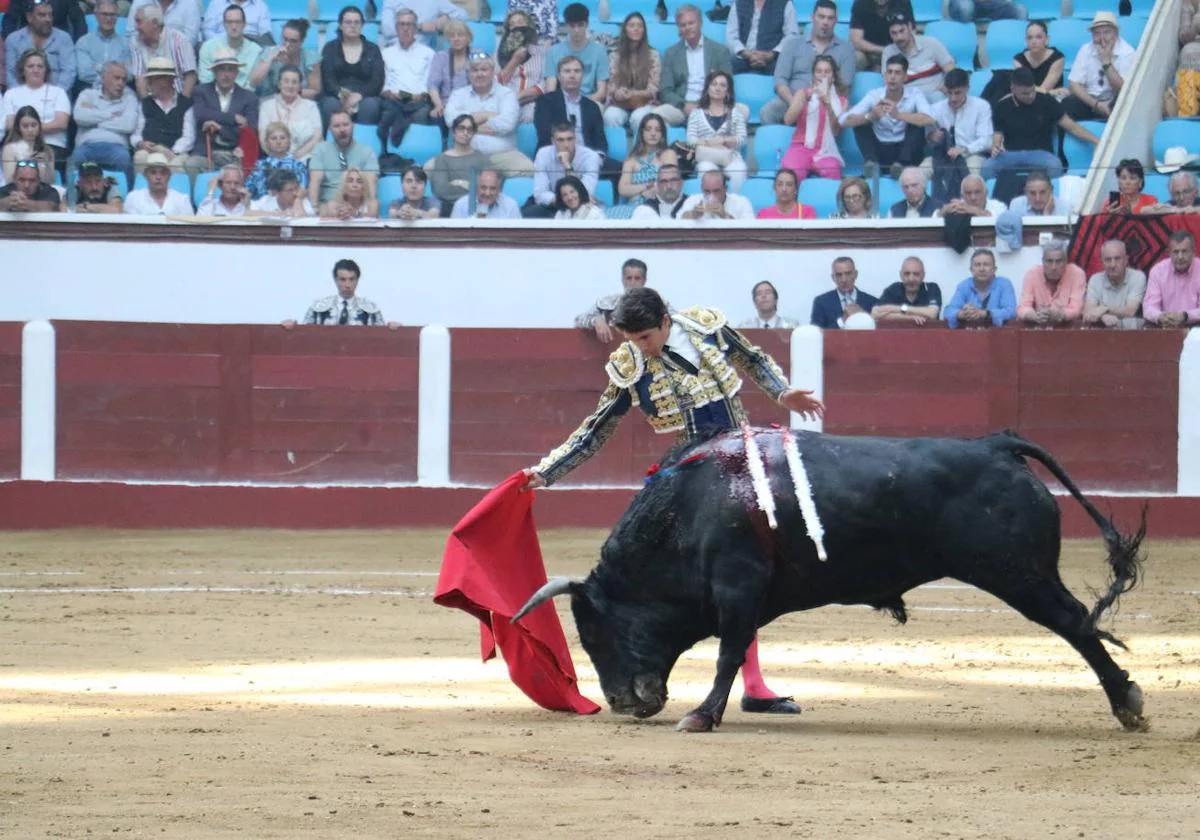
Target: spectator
157 198
715 201
1038 199
234 198
973 201
154 41
494 108
668 198
787 186
816 112
405 94
1173 290
831 309
1052 294
1043 61
489 202
1182 187
567 104
1099 71
33 88
853 199
432 18
962 137
766 310
797 61
24 141
889 123
983 299
522 61
869 28
917 203
415 204
640 171
166 123
928 59
634 75
223 110
1129 198
573 201
255 12
96 192
552 163
27 193
353 199
453 170
106 118
333 158
599 317
448 71
543 13
591 55
265 76
278 157
286 198
352 71
1114 296
56 46
717 131
682 79
909 301
96 49
1026 124
289 108
179 15
231 40
970 11
345 308
756 30
65 15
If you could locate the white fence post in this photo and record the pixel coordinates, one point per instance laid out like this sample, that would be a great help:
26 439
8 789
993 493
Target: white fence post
433 412
1189 416
38 393
808 370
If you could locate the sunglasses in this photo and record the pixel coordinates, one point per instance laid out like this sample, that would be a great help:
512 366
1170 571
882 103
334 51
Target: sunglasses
31 164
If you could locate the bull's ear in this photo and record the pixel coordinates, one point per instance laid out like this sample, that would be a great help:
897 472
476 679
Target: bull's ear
555 587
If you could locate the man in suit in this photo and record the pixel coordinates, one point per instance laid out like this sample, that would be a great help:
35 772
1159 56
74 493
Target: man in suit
686 65
830 310
567 104
222 110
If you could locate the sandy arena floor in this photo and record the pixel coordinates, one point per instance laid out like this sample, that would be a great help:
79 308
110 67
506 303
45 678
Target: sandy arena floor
287 684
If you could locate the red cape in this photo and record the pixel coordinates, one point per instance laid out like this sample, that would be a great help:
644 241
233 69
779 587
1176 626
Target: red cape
492 564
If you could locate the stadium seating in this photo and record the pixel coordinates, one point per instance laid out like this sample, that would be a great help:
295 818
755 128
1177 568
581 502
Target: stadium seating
122 183
1068 35
604 193
618 142
713 31
390 188
420 143
288 9
1157 186
753 91
1043 9
618 10
852 157
821 193
925 11
958 38
1132 29
483 36
1004 39
518 189
770 144
1078 153
889 194
1176 132
527 141
1087 9
676 134
661 35
760 192
499 9
371 31
864 81
980 79
200 187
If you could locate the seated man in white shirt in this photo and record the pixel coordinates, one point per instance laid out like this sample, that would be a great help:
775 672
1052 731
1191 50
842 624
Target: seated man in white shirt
973 201
496 114
488 203
564 157
669 196
962 136
889 123
766 306
432 17
715 201
285 197
234 198
157 198
1099 71
406 81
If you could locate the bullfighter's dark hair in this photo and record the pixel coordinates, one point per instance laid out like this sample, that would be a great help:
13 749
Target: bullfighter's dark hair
639 309
346 265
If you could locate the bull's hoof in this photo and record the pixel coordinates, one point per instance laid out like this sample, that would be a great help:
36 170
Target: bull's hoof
1130 713
696 722
770 705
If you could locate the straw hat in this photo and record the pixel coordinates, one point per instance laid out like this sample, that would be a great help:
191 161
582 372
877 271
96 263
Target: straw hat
1174 159
160 67
157 159
225 57
1104 19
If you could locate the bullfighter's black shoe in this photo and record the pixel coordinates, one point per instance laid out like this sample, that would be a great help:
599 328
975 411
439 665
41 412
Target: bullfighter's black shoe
770 705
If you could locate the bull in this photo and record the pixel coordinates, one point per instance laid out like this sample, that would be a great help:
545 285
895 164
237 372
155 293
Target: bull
694 556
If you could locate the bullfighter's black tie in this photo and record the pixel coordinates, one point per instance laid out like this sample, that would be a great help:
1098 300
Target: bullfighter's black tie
344 318
679 361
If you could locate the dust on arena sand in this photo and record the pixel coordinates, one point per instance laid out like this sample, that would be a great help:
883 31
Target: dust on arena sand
280 684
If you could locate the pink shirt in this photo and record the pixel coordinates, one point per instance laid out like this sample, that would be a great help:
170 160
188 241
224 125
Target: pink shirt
1169 291
1068 297
802 211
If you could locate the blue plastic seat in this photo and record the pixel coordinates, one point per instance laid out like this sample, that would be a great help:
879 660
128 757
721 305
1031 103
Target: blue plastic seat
372 31
979 80
288 9
760 192
889 194
864 82
1004 39
527 140
389 188
925 11
713 31
618 142
1157 186
753 91
821 193
676 134
1176 132
420 143
842 29
483 36
604 193
1132 29
499 10
1086 9
122 182
852 156
960 39
200 186
770 144
519 189
662 35
691 187
1043 9
1078 153
618 10
1068 35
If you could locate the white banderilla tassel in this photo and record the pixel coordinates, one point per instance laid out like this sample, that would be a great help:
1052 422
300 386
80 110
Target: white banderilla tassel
804 496
758 475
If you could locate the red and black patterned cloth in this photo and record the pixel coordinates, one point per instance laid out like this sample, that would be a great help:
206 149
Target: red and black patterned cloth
1145 238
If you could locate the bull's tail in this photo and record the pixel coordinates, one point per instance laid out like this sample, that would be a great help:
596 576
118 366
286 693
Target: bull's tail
1125 556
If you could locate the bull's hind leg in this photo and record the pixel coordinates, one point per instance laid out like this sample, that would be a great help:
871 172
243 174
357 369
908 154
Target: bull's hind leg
1049 603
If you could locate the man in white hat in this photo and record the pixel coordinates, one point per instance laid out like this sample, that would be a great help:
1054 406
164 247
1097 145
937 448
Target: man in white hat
154 41
165 122
1099 71
157 198
234 40
222 109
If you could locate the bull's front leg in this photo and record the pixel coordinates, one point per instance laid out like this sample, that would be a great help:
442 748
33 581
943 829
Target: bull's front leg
730 656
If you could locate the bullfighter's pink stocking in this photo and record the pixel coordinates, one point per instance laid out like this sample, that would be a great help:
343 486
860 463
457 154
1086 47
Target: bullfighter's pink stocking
752 678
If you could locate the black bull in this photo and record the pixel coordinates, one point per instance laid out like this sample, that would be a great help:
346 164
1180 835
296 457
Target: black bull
694 557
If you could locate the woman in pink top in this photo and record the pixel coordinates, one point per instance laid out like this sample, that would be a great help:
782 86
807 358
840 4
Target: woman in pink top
787 185
815 111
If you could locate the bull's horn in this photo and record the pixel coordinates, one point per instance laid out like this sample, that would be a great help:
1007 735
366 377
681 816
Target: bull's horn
556 586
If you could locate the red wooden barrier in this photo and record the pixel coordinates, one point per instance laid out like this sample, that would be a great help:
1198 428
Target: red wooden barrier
10 400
